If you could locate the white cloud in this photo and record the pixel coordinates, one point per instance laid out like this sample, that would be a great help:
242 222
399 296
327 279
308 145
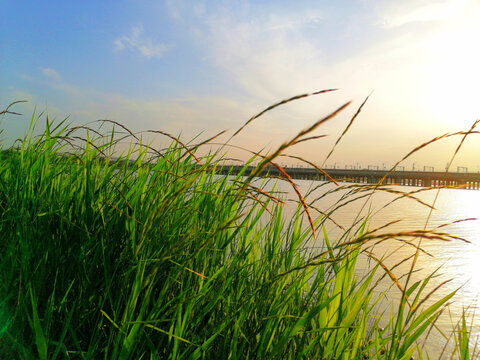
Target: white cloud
51 73
136 42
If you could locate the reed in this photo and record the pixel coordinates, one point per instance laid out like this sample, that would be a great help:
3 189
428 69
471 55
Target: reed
153 254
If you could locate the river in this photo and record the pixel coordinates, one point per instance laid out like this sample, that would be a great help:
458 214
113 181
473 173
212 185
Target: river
457 261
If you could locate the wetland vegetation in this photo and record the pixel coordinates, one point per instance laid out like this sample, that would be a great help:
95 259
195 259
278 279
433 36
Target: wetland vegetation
153 255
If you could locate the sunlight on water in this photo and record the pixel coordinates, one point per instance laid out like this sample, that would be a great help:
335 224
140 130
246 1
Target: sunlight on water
457 262
461 260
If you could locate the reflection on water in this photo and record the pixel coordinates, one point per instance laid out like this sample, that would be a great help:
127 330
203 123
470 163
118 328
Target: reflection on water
456 260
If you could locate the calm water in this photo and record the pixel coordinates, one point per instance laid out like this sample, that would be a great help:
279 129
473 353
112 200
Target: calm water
457 261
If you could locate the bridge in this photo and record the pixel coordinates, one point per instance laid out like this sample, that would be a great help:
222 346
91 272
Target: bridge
463 180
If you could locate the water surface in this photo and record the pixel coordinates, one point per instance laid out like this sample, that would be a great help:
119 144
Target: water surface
457 262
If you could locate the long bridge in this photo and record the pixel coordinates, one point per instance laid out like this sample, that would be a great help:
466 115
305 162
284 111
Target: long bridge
463 180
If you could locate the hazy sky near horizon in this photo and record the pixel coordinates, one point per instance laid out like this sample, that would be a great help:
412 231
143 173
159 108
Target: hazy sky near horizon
186 67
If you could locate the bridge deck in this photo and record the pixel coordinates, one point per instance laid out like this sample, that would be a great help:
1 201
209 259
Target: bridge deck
409 178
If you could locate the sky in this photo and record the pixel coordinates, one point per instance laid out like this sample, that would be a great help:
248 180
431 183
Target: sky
198 67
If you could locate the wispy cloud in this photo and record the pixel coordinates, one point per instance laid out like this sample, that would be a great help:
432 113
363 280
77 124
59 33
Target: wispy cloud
295 21
267 54
270 55
55 81
418 66
26 77
137 42
51 74
89 104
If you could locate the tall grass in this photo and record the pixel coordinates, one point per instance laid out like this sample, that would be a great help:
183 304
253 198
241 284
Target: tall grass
153 255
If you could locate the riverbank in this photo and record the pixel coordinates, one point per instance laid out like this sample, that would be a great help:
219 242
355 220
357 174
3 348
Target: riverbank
155 255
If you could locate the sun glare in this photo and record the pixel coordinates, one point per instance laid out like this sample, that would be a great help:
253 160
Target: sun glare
452 74
465 205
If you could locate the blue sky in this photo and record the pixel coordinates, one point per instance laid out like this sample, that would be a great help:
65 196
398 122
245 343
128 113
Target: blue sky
203 66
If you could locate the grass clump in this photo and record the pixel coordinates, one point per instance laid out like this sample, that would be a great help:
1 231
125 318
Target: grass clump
154 255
